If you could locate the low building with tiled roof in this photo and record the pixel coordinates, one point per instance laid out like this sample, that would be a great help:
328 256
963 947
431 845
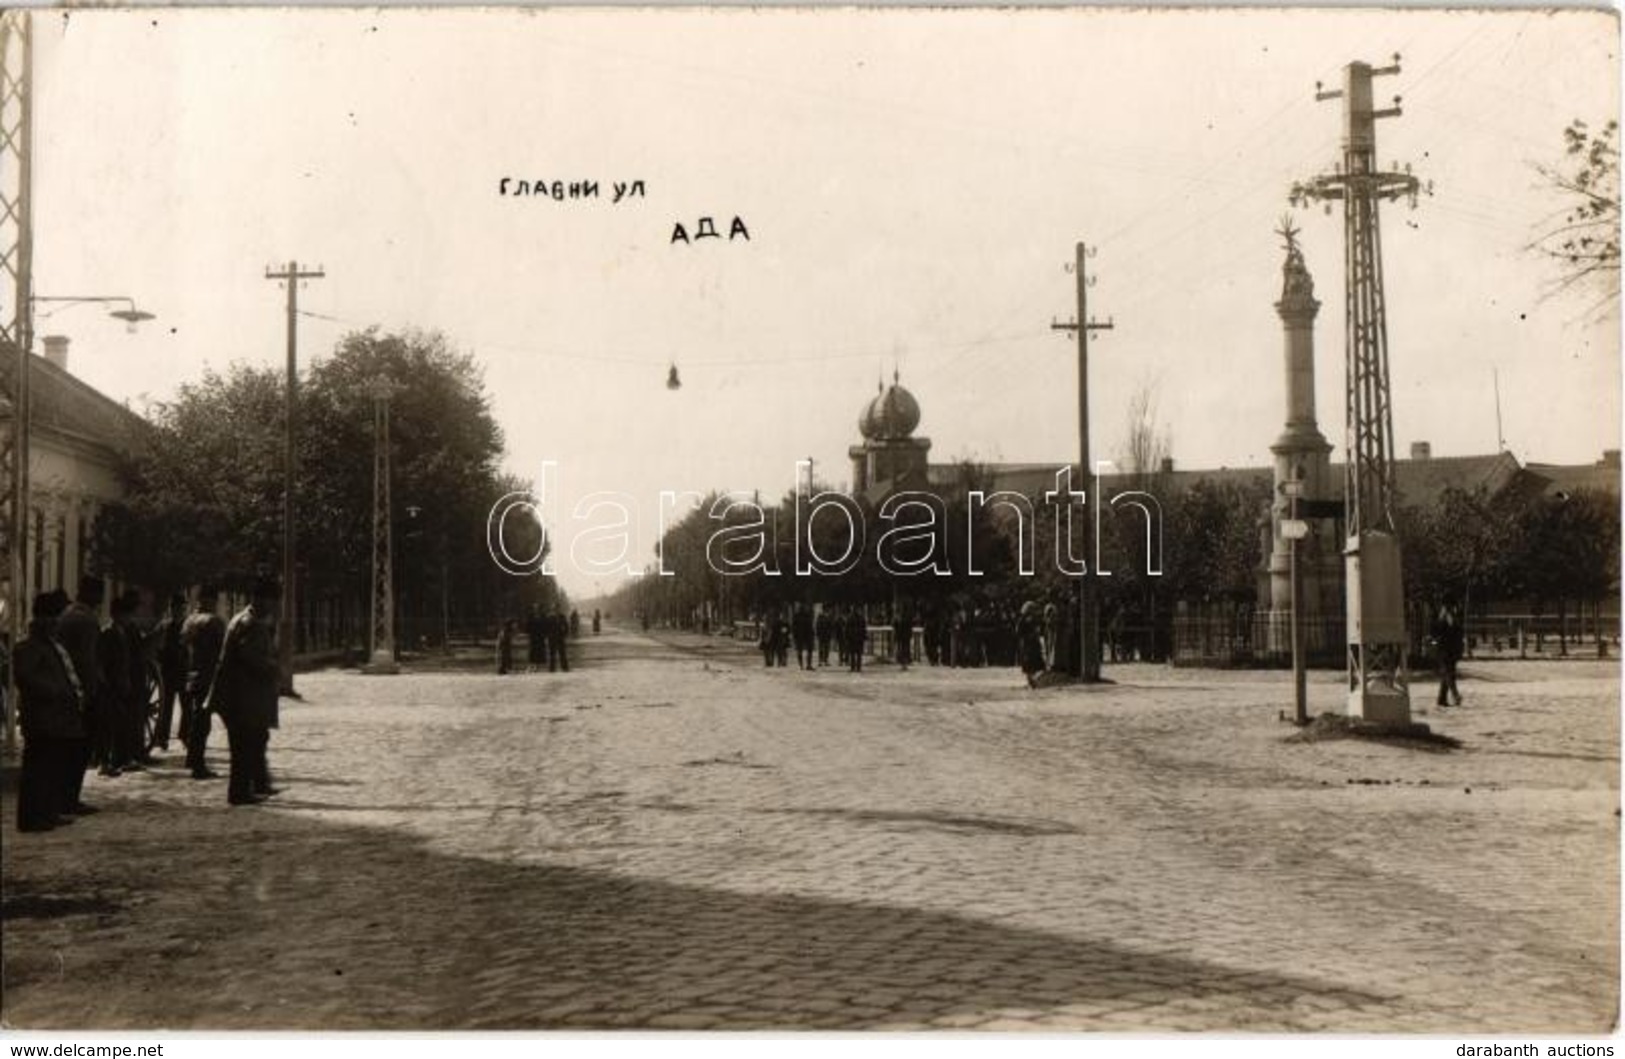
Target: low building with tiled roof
76 438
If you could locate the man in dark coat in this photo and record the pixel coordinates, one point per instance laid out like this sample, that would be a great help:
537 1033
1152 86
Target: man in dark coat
172 673
51 712
903 638
801 629
1450 639
113 652
79 630
138 684
245 694
857 635
779 640
824 630
558 635
202 635
1030 642
536 637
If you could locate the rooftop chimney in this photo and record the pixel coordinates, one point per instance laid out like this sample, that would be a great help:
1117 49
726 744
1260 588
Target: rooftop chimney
1167 465
56 350
1421 450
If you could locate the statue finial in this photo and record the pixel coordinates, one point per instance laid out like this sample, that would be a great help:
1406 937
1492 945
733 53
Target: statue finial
1288 232
1296 281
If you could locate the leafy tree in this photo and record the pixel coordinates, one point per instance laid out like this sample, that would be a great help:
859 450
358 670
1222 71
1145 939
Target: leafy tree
203 486
204 490
1584 238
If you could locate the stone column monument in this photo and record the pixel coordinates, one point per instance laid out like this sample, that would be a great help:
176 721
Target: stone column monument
1302 453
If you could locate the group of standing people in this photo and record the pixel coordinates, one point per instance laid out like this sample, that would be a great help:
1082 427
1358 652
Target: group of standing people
962 637
84 689
547 636
847 630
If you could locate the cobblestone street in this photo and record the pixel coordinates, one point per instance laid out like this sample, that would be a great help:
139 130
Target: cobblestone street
673 837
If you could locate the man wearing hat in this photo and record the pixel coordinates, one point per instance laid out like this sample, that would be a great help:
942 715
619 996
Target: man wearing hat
80 630
1030 642
172 672
201 636
245 693
52 715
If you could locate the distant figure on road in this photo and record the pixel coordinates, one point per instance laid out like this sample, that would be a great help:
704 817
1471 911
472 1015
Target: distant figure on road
201 636
558 631
575 624
780 640
931 636
245 694
857 636
1450 639
802 629
597 620
903 631
824 631
1030 642
505 637
536 638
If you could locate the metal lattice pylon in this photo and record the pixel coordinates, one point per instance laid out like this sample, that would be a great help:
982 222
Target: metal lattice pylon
1376 628
16 288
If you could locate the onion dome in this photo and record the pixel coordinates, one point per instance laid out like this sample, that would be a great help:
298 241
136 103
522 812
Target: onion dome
891 415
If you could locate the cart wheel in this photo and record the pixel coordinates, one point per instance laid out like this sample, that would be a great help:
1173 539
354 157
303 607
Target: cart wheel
155 707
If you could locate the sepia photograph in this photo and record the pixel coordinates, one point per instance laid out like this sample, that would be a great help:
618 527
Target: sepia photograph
954 521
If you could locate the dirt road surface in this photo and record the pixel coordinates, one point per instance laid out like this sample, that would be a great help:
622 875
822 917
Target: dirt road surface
674 837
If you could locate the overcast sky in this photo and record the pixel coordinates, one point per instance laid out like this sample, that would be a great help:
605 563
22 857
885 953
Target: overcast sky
913 182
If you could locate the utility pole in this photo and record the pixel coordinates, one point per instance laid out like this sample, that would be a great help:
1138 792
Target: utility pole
1088 604
291 275
1378 686
382 660
16 326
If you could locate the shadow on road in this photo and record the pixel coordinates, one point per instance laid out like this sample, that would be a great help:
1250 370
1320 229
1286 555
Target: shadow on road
271 920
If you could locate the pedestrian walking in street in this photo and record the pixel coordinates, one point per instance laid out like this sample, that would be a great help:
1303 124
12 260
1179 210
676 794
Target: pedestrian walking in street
575 624
558 632
801 629
857 637
505 637
536 638
1030 642
245 694
202 636
597 621
1449 639
171 673
931 636
779 640
51 714
824 632
903 631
